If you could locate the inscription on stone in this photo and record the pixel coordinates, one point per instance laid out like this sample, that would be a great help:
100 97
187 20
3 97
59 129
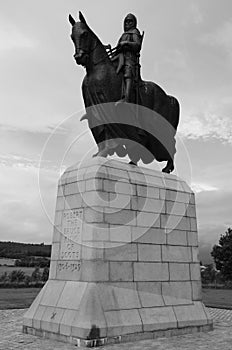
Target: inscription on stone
69 266
68 270
71 238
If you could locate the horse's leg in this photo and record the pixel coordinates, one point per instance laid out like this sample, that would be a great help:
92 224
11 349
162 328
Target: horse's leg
169 167
102 150
103 153
99 149
173 118
120 151
133 153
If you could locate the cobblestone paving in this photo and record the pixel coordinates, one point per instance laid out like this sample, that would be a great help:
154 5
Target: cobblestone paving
12 338
221 316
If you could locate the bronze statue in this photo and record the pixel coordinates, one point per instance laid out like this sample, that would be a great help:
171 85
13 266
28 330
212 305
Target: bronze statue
143 130
127 53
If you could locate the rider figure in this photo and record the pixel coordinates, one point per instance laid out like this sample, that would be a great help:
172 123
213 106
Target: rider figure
129 46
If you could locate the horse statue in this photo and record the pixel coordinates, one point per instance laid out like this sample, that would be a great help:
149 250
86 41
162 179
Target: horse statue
144 130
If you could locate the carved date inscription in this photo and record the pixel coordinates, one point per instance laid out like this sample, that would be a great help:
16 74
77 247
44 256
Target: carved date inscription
71 238
69 266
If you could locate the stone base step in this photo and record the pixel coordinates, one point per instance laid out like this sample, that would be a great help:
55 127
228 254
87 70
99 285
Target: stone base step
87 310
89 343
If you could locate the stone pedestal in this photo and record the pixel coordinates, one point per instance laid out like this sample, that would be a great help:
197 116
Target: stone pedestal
124 262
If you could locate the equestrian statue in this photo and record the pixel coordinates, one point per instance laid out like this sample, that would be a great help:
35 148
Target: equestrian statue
126 115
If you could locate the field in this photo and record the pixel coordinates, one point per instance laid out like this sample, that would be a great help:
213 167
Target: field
7 261
20 298
221 298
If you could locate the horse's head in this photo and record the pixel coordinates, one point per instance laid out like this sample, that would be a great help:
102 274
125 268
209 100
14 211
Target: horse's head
82 37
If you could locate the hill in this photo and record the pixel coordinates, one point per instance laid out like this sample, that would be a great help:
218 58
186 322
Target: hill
16 250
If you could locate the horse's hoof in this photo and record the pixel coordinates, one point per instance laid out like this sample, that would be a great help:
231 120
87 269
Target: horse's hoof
103 153
110 152
168 169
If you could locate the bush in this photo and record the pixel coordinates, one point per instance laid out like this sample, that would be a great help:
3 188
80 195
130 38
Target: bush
17 276
4 277
209 274
228 284
36 275
8 284
45 274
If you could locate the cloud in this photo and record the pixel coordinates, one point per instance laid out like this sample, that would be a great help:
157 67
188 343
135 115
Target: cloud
214 217
220 37
201 187
27 207
207 126
176 59
12 38
223 36
31 163
197 15
18 161
25 147
214 213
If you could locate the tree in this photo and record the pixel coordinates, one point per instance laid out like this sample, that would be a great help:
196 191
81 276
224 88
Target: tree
208 275
4 277
27 280
222 255
36 275
16 276
45 274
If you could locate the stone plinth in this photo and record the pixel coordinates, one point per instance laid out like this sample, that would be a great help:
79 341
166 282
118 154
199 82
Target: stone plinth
124 262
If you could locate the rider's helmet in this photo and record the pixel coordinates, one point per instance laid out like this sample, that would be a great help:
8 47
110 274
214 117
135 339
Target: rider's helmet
130 22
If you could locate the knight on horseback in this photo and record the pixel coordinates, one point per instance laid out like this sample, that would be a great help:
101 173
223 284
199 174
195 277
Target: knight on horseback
145 128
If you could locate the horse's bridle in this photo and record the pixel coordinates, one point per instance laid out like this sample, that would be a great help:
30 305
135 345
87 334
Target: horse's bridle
87 53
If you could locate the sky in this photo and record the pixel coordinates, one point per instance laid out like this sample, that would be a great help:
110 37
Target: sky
187 50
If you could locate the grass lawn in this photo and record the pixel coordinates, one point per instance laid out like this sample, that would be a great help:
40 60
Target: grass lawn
20 298
17 298
217 297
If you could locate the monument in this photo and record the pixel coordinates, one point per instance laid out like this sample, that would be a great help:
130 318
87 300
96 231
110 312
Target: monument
124 262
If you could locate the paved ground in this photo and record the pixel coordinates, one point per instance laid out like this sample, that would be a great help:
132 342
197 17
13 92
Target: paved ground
11 337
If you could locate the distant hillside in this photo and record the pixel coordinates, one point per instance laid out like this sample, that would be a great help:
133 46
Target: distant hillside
15 250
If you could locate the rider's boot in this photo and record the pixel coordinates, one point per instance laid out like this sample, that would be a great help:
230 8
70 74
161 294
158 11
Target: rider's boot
128 89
